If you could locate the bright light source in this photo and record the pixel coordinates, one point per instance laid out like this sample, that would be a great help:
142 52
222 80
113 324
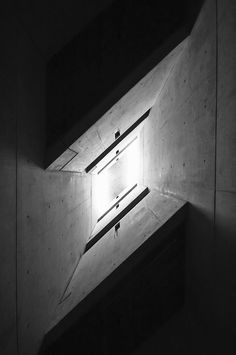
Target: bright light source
100 192
122 172
116 170
120 141
132 164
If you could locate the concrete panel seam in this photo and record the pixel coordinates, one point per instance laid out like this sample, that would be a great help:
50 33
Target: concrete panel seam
72 151
16 206
216 109
226 191
64 296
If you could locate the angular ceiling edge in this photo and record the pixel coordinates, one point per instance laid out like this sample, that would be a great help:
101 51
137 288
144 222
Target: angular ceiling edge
159 211
73 153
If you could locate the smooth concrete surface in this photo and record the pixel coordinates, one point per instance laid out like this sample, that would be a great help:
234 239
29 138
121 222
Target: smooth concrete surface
133 302
99 65
45 217
53 210
180 148
8 112
121 116
225 270
226 177
114 248
180 160
190 150
63 159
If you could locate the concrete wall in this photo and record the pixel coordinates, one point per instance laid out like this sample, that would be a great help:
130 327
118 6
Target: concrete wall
225 205
8 338
190 145
53 210
45 216
190 142
181 144
122 37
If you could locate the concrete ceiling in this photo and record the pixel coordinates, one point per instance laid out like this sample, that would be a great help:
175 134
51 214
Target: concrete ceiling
52 23
75 151
155 211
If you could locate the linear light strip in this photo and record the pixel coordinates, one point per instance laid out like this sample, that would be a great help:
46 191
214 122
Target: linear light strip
117 155
116 219
117 202
116 142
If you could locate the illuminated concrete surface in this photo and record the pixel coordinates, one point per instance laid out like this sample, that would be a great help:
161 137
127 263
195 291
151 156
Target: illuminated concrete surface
113 249
181 151
191 146
116 213
39 209
121 116
139 296
103 62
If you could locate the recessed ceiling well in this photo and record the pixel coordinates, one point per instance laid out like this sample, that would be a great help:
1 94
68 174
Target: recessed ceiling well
117 180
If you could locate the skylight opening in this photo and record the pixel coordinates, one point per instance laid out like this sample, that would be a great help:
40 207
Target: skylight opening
122 172
117 181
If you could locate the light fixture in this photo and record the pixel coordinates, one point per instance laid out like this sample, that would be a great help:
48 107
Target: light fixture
120 142
113 216
116 181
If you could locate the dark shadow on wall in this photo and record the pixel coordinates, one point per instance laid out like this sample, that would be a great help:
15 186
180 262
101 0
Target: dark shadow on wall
130 310
200 264
99 58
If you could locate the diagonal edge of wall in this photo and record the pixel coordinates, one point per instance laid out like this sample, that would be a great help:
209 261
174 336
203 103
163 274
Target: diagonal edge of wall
123 113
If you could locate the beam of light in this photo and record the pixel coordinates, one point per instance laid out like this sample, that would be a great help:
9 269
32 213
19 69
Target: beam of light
123 173
132 164
101 192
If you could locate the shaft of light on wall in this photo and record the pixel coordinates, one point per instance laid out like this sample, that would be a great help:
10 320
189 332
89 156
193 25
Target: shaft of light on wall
112 180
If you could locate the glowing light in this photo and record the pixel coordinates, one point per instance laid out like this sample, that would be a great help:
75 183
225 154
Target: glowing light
123 172
132 164
101 192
